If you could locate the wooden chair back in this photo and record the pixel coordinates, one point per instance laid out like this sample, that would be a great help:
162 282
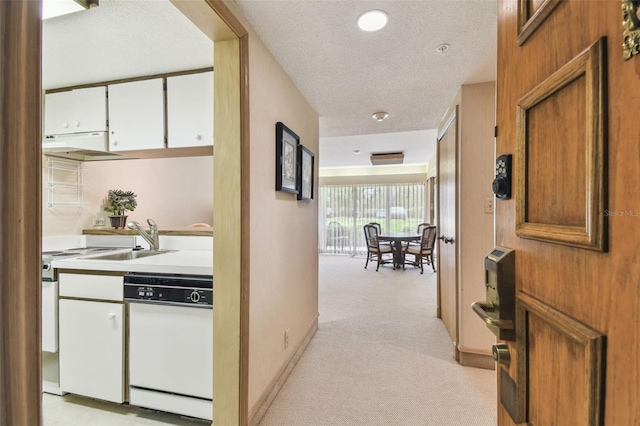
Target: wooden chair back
428 238
421 227
378 226
371 236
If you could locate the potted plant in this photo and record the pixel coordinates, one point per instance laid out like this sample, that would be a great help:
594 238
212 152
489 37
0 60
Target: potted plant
117 203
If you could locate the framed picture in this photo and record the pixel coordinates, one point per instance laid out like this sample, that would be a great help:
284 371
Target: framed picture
286 159
305 174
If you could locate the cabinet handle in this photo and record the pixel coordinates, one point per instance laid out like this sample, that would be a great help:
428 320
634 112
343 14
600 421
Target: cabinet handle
77 123
115 143
65 125
111 315
198 137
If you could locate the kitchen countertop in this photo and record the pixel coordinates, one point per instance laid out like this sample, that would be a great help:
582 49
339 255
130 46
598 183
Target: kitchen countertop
192 262
207 232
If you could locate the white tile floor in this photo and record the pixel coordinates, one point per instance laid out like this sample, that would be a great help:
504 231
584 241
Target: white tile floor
74 410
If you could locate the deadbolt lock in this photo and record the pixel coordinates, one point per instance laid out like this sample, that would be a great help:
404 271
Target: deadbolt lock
501 353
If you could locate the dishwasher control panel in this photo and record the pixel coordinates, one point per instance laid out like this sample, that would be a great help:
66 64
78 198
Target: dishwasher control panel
173 289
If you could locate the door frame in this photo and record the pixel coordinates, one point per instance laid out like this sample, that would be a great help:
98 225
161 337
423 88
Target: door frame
451 116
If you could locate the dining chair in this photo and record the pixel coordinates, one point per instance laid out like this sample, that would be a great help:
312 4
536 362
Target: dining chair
422 253
375 250
337 235
379 227
422 226
419 232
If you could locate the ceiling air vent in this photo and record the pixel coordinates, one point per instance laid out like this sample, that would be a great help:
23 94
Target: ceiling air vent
387 158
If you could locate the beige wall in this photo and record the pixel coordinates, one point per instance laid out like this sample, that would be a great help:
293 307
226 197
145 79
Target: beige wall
175 192
475 236
284 232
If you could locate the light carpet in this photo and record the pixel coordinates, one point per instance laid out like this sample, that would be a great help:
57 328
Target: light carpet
381 357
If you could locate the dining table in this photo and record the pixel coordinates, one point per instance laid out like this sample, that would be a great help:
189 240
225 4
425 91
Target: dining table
396 239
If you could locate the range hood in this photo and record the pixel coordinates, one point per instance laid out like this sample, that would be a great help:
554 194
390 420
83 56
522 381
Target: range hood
93 146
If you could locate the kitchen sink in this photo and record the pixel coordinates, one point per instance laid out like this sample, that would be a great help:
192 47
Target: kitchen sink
128 255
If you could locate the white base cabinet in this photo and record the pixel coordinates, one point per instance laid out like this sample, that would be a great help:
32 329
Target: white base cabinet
92 349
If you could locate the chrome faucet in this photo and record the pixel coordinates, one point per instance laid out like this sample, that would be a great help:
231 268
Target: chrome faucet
151 237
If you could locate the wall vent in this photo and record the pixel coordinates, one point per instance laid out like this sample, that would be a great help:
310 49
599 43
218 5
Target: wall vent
387 158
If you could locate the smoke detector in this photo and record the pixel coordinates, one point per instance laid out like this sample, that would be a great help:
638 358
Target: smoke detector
442 48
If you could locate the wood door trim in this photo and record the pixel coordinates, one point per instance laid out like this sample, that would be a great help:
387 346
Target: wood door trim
20 224
527 25
210 19
590 63
591 340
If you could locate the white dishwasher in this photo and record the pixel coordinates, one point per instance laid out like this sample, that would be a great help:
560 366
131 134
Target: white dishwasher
171 342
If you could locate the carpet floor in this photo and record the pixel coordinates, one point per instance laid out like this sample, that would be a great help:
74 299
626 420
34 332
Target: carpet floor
380 357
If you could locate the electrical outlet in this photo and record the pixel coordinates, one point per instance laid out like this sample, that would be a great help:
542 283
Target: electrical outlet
286 338
99 221
488 205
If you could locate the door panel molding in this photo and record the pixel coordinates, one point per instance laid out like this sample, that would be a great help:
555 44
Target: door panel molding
584 351
529 21
573 224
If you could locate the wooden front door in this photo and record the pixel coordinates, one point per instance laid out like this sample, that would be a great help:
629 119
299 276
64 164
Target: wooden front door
567 109
447 281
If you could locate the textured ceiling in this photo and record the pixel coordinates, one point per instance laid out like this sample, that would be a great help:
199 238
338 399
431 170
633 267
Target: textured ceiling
347 74
120 39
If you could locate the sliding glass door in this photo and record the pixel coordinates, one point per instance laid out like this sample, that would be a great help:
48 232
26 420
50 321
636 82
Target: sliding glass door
347 208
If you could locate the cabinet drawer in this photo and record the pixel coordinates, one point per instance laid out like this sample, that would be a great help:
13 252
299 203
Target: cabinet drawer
103 287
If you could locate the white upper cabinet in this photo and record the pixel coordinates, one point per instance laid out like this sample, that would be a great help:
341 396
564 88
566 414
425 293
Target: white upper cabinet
190 110
76 111
136 115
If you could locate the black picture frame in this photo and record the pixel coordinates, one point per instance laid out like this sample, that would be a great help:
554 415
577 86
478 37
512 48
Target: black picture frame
287 143
306 167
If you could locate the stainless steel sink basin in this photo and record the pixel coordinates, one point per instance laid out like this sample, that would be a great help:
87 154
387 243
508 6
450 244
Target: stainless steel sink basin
129 255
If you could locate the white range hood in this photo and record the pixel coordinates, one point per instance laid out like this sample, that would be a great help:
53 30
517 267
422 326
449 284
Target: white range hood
93 146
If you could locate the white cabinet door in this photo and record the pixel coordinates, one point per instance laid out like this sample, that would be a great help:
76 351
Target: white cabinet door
190 110
92 349
136 115
76 111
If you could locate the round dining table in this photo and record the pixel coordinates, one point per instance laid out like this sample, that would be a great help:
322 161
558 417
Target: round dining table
397 238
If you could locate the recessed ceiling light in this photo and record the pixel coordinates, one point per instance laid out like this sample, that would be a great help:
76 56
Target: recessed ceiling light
356 151
372 20
442 48
380 116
